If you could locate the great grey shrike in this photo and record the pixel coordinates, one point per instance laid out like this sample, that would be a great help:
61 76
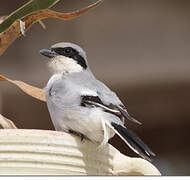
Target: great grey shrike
79 103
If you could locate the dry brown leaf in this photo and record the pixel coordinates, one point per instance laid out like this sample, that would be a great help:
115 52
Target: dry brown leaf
28 89
6 123
14 31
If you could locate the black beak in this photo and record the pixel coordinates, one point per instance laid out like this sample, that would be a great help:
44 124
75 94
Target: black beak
48 53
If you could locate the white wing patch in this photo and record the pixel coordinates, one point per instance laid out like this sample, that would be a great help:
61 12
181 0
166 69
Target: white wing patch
88 92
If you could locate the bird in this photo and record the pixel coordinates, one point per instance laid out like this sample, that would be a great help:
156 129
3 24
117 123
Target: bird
80 104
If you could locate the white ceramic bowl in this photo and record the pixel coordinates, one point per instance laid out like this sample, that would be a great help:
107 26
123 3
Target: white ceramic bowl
43 152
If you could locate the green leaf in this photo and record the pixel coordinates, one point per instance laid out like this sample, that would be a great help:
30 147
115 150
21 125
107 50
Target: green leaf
31 6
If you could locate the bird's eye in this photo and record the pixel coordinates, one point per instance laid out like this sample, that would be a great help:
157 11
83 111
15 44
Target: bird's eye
68 50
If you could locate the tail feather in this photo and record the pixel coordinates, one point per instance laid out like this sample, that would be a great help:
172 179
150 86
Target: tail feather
134 142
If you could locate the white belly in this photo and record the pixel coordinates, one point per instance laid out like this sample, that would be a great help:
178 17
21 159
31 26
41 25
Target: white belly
89 122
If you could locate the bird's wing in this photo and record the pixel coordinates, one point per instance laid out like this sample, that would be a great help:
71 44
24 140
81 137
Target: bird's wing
118 110
110 99
95 101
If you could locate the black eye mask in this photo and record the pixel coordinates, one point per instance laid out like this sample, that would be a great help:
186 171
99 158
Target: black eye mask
71 53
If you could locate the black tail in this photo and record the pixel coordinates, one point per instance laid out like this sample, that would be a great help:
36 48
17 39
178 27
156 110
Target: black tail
134 142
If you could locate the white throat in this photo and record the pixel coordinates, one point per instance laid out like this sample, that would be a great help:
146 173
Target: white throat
64 65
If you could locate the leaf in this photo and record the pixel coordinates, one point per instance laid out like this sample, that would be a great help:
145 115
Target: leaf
31 6
14 31
6 123
2 18
28 89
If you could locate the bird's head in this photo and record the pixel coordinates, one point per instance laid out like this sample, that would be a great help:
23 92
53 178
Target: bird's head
66 58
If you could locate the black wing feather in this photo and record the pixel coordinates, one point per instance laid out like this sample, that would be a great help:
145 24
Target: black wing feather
118 110
135 142
95 101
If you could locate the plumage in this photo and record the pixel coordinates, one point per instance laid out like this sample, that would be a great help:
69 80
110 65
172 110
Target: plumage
79 103
95 101
133 141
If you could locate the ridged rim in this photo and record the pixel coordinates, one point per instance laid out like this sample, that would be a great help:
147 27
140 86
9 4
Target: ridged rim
42 152
51 150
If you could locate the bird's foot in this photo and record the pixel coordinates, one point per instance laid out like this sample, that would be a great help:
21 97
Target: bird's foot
77 134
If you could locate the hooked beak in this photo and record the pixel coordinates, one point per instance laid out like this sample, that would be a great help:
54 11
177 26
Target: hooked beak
48 53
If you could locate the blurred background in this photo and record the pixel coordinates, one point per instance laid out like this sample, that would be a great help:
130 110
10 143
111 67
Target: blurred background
139 48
